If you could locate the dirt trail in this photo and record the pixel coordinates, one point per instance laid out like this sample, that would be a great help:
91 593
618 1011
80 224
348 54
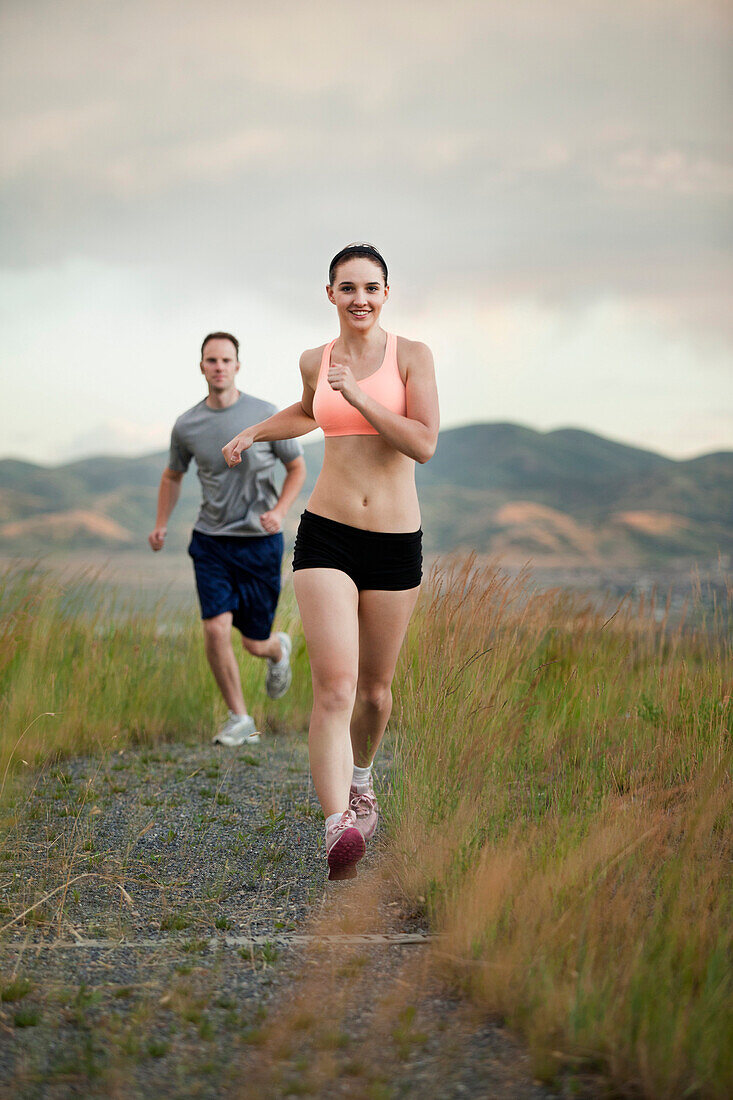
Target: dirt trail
189 945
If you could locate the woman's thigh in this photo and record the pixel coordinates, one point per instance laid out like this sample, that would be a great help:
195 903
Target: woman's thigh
383 621
328 602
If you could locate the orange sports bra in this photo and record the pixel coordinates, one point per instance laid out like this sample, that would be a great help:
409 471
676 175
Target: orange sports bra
336 416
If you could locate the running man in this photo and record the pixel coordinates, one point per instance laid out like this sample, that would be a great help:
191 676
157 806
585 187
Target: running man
237 541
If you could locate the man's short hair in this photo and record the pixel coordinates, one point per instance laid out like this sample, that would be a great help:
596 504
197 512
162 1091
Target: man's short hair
221 336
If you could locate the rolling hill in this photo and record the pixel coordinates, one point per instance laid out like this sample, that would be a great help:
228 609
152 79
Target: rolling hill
559 497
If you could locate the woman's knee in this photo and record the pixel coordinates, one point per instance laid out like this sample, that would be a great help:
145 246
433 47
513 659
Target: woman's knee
375 694
255 647
334 693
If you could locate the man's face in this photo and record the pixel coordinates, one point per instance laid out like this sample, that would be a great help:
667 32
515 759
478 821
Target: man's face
219 364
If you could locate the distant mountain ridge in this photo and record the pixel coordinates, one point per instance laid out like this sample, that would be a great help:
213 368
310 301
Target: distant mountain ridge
559 497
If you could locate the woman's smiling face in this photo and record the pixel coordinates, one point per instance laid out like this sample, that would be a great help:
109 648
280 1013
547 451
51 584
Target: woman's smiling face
358 291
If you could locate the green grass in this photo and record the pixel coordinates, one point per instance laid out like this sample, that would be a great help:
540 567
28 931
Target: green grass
562 809
82 671
15 990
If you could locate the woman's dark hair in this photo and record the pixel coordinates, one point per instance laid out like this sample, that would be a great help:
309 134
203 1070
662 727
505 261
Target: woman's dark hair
221 336
368 251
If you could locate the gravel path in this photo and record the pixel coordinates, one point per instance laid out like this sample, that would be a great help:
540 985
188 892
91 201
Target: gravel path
168 958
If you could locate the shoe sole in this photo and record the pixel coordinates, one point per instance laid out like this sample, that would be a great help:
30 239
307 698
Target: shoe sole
278 694
345 854
252 739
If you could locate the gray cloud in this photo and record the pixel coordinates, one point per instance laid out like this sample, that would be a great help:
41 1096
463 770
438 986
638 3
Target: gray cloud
507 151
567 149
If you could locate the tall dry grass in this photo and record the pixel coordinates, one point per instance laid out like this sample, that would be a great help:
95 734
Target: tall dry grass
81 669
561 803
563 809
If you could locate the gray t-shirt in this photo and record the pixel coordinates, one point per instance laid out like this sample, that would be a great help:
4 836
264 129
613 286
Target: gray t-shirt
233 499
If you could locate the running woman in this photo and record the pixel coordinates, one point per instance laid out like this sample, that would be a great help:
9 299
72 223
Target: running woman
358 552
237 543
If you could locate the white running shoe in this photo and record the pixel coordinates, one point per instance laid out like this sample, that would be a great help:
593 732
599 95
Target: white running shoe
279 673
239 729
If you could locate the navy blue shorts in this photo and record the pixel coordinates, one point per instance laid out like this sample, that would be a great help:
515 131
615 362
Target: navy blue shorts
240 575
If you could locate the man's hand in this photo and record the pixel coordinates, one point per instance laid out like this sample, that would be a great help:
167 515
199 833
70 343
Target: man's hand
272 521
156 538
233 450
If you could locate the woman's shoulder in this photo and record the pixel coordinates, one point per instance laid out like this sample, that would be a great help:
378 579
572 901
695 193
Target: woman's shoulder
413 354
310 362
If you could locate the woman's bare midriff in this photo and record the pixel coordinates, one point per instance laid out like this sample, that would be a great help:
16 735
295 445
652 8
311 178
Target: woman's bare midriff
368 484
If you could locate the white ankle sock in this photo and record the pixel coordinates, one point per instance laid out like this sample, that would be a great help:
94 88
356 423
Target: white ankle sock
361 777
333 818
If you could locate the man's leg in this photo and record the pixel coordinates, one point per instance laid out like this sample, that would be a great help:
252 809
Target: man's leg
258 588
276 649
220 655
270 647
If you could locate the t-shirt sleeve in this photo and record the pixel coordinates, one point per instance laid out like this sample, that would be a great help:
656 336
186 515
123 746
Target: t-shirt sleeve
179 457
287 449
284 449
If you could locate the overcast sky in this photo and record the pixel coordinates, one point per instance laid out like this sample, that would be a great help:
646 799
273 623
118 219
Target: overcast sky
549 182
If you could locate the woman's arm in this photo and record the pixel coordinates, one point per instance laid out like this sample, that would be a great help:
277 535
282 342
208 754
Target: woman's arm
415 434
289 423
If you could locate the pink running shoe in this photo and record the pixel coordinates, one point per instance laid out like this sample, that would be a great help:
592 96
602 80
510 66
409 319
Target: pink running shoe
344 846
366 809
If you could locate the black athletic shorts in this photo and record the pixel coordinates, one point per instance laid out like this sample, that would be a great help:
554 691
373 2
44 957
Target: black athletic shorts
384 560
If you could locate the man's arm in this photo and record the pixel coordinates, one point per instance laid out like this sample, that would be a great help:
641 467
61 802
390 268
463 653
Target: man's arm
272 521
168 494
